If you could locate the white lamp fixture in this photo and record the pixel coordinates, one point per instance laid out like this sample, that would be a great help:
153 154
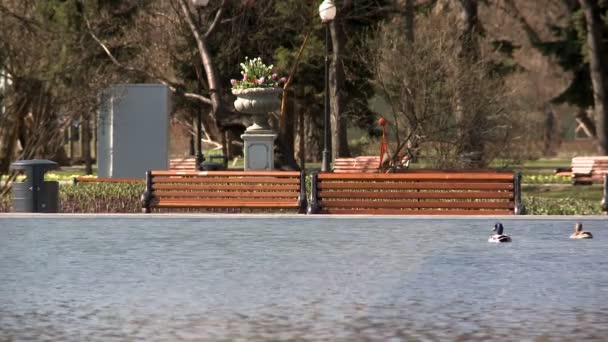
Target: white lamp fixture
200 3
327 11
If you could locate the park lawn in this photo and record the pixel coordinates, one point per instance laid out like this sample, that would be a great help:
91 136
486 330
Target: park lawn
582 192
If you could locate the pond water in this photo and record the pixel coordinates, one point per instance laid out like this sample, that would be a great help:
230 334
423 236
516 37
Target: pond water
299 278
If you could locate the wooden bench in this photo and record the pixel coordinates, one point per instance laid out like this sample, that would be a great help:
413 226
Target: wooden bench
438 192
368 164
182 164
588 170
225 191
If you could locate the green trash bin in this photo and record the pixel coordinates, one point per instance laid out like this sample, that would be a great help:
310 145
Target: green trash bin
34 195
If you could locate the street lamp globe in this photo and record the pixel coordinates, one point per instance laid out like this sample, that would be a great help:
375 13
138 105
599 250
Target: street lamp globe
200 3
327 11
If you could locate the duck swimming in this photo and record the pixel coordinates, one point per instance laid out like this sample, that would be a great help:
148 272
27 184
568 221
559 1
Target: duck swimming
499 236
579 233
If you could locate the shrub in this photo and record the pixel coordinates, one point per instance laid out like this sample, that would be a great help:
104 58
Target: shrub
560 206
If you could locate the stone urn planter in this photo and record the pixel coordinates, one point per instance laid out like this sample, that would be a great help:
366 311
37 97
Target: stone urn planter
258 102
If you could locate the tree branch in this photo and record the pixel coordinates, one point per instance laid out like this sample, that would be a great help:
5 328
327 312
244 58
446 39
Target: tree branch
217 20
172 86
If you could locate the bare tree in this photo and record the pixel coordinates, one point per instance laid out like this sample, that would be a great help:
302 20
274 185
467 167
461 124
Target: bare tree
423 81
598 69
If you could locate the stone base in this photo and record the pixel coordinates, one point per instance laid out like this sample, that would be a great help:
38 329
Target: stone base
259 151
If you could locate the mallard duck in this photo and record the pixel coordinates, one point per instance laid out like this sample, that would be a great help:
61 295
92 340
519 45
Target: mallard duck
499 236
579 233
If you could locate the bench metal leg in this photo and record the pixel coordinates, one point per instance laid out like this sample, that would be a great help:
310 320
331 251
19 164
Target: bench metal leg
302 202
520 209
313 206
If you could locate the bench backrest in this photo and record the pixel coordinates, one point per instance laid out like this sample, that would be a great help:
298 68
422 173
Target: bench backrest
225 189
445 193
368 164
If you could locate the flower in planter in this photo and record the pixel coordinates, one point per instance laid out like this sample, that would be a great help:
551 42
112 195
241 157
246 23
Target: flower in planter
256 74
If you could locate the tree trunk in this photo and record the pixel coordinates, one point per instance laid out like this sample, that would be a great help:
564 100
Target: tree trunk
598 70
286 138
471 144
339 121
408 16
86 145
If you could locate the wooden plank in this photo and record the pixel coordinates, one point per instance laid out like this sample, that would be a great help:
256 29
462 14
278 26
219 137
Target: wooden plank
231 180
222 194
225 204
414 185
415 194
420 176
414 212
227 187
226 173
416 204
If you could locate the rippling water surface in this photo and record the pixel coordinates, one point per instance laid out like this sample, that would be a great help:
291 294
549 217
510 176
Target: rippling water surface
284 278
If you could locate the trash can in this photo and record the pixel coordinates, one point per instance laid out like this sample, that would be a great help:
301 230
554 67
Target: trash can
211 166
34 195
214 166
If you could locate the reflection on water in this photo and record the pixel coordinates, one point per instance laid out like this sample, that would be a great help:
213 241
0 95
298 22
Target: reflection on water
75 279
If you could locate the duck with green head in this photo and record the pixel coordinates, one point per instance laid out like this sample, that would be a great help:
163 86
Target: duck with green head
499 236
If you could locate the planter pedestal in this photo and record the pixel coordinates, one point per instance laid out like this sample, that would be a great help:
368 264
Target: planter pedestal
258 138
259 150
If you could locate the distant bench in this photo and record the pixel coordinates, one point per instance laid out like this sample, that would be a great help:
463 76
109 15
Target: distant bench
367 164
438 192
228 191
588 170
182 164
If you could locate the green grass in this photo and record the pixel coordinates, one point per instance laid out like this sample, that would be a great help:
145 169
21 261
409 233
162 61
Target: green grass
582 192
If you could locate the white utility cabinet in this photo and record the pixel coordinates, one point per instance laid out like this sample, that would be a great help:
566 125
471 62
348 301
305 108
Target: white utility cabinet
133 130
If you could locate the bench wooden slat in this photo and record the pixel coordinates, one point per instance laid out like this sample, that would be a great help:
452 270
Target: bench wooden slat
227 187
413 212
223 194
226 204
413 185
420 176
231 180
420 195
416 204
279 174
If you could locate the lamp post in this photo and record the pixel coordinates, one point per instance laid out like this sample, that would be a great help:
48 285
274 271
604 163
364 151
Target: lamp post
327 12
199 4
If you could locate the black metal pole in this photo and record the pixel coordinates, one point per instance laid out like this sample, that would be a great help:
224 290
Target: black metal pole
199 145
605 196
327 123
